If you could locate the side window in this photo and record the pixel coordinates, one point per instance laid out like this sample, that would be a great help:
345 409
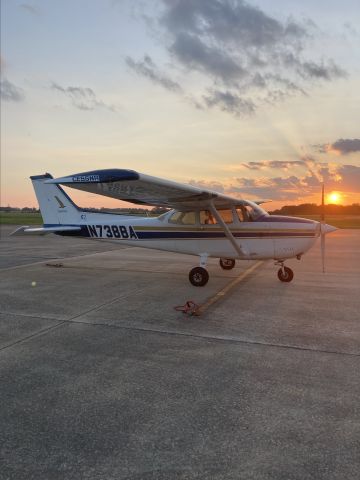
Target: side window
188 218
250 214
183 218
226 215
241 214
207 218
175 217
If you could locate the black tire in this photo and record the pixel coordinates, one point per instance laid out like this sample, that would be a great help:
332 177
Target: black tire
285 276
227 263
198 277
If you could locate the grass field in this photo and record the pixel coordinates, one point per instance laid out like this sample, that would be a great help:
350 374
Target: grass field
339 221
20 218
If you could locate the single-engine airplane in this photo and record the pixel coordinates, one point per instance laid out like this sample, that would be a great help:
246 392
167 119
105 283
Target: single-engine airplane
201 222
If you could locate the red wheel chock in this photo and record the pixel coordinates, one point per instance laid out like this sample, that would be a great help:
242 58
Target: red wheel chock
189 308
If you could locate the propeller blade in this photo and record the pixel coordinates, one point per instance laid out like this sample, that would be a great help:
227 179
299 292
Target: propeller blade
323 249
322 227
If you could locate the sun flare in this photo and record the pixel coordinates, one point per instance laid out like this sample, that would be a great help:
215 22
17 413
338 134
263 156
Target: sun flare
334 197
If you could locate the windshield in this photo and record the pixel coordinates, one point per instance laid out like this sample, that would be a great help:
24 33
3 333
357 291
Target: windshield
254 211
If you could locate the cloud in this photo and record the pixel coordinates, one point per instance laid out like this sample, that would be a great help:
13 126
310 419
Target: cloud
345 178
196 55
229 22
148 69
246 58
276 188
83 98
275 164
10 92
30 9
210 185
342 146
229 102
350 176
324 70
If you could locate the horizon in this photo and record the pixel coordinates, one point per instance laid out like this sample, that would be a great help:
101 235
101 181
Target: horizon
261 107
132 206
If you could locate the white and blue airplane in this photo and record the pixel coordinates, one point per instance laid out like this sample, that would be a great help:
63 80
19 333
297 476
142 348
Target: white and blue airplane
201 222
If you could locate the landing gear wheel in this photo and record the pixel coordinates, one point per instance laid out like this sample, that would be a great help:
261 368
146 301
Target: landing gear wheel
285 275
198 277
227 263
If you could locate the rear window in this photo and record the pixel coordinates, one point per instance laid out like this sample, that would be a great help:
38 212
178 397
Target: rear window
226 215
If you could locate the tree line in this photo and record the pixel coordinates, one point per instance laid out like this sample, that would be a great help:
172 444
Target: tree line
123 211
313 209
302 209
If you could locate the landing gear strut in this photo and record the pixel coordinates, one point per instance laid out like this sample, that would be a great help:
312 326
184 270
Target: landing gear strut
227 263
285 274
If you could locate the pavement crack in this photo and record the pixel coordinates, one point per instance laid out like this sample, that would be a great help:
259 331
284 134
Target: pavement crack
216 338
36 334
105 304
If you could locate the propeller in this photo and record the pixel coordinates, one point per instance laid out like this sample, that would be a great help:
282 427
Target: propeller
322 227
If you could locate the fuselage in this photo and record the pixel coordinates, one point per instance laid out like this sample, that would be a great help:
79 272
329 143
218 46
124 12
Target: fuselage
260 235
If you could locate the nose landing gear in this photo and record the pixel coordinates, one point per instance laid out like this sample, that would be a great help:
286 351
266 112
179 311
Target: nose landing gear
285 274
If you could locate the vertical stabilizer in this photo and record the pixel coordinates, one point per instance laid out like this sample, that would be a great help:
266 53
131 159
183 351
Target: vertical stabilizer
56 206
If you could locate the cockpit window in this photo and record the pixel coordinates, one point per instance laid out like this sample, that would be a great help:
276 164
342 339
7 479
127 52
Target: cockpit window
253 211
242 214
183 218
207 218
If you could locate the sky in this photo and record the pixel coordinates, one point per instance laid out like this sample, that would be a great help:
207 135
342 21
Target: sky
255 99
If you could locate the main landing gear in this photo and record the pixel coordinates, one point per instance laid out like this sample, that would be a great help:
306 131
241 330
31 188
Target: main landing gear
285 274
199 276
227 263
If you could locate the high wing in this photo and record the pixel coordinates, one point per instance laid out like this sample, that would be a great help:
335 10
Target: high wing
144 189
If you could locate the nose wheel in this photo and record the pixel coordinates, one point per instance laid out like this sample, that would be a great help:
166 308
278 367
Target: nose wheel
285 274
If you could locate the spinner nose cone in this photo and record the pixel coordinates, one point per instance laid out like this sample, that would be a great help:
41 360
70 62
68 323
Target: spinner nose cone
325 228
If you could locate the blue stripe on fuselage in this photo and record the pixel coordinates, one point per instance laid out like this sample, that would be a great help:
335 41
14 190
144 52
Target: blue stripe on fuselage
283 219
148 235
189 235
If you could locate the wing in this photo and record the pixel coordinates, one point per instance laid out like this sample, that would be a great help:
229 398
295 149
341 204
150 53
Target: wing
144 189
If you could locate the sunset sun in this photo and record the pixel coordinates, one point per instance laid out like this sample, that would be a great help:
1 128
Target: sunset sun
334 197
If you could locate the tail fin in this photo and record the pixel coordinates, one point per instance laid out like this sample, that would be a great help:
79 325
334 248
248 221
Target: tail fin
55 205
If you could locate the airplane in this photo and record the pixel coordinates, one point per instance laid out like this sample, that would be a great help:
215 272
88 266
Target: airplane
200 222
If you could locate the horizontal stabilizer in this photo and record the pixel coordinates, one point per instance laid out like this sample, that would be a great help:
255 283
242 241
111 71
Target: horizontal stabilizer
26 230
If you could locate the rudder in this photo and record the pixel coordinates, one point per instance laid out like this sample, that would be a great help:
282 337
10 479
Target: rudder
56 206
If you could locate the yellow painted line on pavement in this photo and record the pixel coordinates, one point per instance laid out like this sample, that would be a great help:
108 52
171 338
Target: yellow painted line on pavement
221 294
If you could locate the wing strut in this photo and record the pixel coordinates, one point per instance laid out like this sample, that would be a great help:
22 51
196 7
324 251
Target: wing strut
227 231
